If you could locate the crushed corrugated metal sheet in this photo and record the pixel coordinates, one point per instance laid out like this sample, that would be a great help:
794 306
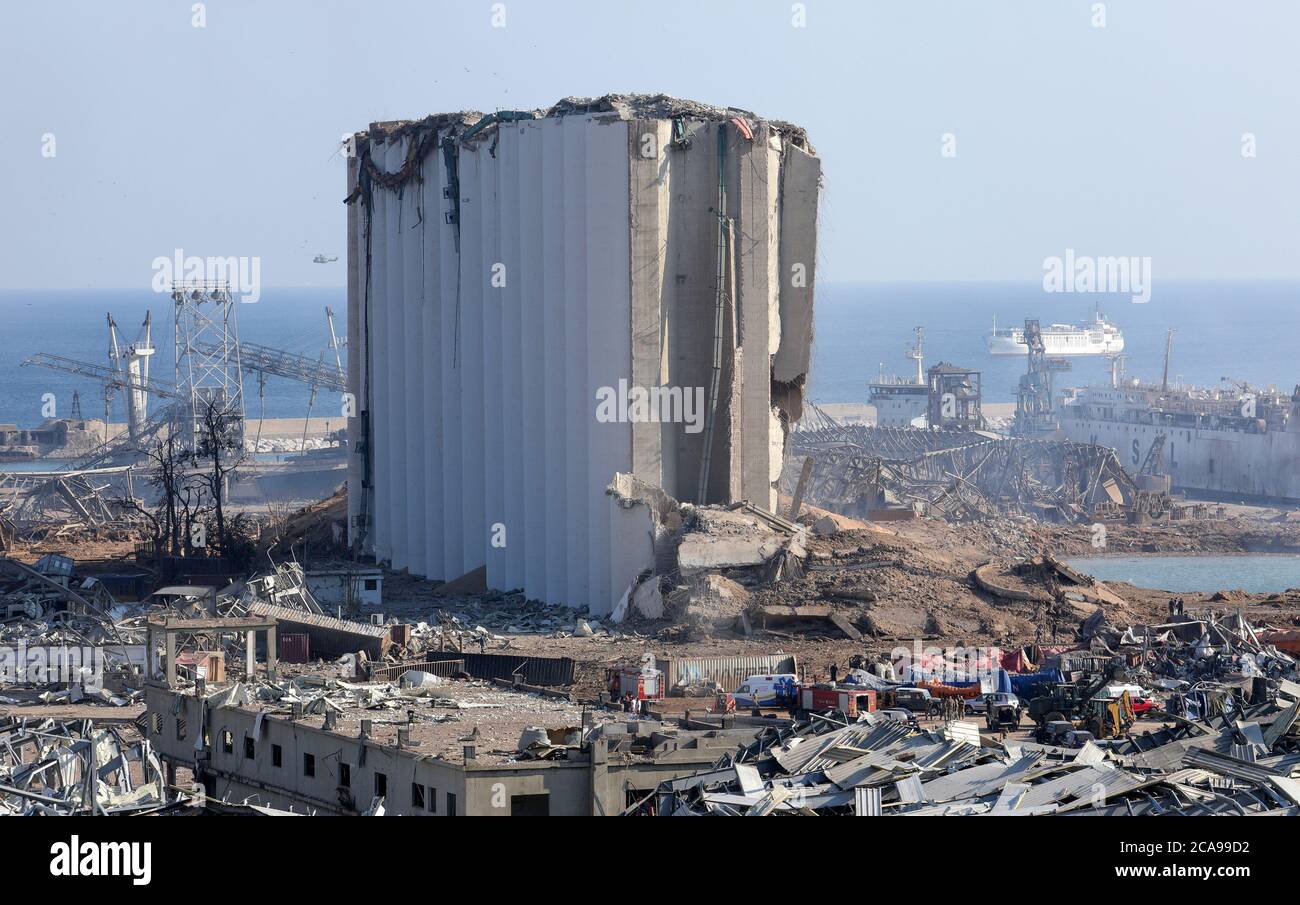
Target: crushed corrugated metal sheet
1232 746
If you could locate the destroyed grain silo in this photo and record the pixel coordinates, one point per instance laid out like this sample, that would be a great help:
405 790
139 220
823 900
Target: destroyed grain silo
543 303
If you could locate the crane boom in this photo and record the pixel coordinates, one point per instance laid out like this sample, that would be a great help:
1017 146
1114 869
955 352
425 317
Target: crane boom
107 376
267 360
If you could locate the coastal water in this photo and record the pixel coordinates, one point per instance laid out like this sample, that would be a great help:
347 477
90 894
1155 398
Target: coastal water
72 323
1235 329
1240 330
1258 574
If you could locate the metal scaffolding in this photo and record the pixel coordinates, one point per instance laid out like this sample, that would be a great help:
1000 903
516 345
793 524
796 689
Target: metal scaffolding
208 362
259 359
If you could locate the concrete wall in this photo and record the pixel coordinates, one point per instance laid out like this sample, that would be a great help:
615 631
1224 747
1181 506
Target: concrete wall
579 254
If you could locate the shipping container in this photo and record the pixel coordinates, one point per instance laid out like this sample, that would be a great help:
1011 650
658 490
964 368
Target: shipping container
529 670
728 672
294 647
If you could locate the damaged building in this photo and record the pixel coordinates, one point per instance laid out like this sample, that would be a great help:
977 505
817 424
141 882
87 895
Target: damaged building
423 747
543 301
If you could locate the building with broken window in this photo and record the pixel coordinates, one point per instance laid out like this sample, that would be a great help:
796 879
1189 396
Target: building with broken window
303 746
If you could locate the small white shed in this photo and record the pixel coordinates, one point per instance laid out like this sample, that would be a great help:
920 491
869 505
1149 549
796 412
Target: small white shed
344 587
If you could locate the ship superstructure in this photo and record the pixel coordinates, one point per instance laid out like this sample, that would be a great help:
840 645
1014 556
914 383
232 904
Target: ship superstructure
901 401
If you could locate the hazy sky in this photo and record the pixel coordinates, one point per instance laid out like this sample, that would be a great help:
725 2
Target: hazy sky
221 140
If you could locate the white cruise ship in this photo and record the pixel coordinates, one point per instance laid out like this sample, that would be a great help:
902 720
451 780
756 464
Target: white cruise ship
1095 337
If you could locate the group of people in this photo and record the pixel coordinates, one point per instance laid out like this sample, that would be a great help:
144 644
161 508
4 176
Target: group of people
952 709
633 705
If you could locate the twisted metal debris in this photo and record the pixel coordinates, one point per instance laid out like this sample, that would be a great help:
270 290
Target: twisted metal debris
962 474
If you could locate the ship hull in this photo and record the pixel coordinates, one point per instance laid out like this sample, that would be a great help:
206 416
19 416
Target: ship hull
1001 344
1222 463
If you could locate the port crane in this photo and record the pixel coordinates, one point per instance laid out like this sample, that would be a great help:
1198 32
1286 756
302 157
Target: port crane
128 370
105 375
259 359
1034 398
1154 462
916 352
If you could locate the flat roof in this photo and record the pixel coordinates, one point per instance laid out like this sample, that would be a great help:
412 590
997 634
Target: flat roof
451 716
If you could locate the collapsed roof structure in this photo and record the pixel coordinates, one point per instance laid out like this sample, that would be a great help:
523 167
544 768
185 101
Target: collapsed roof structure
1232 746
78 768
963 474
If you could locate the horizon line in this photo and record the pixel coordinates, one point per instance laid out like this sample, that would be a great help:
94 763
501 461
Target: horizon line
837 282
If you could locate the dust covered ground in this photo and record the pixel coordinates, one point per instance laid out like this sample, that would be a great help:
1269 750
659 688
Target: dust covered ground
898 583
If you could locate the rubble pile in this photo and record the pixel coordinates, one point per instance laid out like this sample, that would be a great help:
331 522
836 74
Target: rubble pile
878 766
496 617
1230 743
303 694
44 607
44 506
78 768
965 475
285 586
422 707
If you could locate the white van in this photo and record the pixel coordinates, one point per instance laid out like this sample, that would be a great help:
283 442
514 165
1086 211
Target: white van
767 691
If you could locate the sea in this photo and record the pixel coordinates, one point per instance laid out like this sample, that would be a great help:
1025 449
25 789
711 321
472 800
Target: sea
1268 573
73 324
1234 330
1225 330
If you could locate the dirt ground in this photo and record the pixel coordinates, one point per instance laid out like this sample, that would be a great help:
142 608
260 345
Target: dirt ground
898 583
920 573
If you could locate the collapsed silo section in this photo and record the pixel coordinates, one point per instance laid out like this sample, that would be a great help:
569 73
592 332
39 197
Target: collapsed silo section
542 301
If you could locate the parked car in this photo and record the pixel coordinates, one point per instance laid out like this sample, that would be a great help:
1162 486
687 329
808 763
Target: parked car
1076 738
897 714
1143 706
1002 711
917 700
977 705
1054 732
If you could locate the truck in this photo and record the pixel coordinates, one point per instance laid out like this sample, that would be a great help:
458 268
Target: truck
640 682
1098 718
784 691
849 701
1070 700
1002 710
